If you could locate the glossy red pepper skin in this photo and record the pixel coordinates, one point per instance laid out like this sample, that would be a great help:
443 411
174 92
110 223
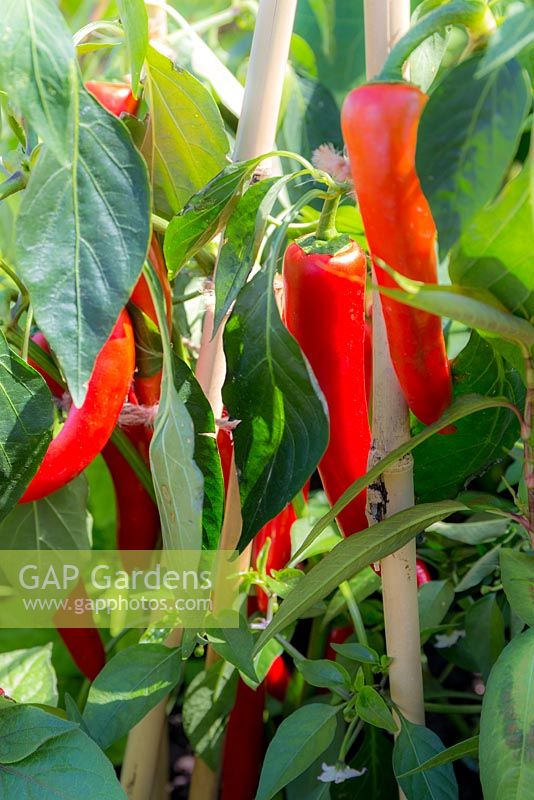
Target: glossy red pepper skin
324 297
379 123
84 644
277 679
138 522
244 745
116 97
87 429
422 573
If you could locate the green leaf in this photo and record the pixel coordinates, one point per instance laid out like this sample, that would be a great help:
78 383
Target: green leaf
235 645
494 249
483 439
208 701
361 586
351 555
484 640
24 730
57 522
26 417
461 407
371 707
205 213
475 308
324 673
468 135
514 36
178 481
506 763
296 744
67 767
269 387
128 687
469 747
186 143
311 116
335 32
28 676
482 567
517 575
242 238
81 262
357 652
414 746
378 782
434 598
38 71
206 453
472 532
134 19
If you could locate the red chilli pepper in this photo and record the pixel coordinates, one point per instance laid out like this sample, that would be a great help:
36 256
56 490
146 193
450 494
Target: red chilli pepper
138 522
244 745
87 429
115 97
277 679
422 573
324 297
379 123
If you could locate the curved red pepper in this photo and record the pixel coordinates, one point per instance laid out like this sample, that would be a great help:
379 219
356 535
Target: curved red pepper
87 429
116 97
324 298
379 123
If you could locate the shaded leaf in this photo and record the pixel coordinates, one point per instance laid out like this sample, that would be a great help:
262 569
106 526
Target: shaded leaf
481 440
506 763
467 137
269 387
26 417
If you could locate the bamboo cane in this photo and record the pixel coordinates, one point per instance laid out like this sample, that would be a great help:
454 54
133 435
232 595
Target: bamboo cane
385 22
255 135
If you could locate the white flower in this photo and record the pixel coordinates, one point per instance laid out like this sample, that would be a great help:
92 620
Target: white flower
337 773
448 639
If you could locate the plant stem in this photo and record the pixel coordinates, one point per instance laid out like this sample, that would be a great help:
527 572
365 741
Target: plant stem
159 224
326 229
449 708
295 654
14 277
354 612
473 15
527 435
27 334
350 737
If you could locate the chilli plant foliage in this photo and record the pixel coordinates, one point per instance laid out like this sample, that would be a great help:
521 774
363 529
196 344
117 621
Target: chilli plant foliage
126 230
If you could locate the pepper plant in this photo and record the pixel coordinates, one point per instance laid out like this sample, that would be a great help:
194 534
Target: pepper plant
186 364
